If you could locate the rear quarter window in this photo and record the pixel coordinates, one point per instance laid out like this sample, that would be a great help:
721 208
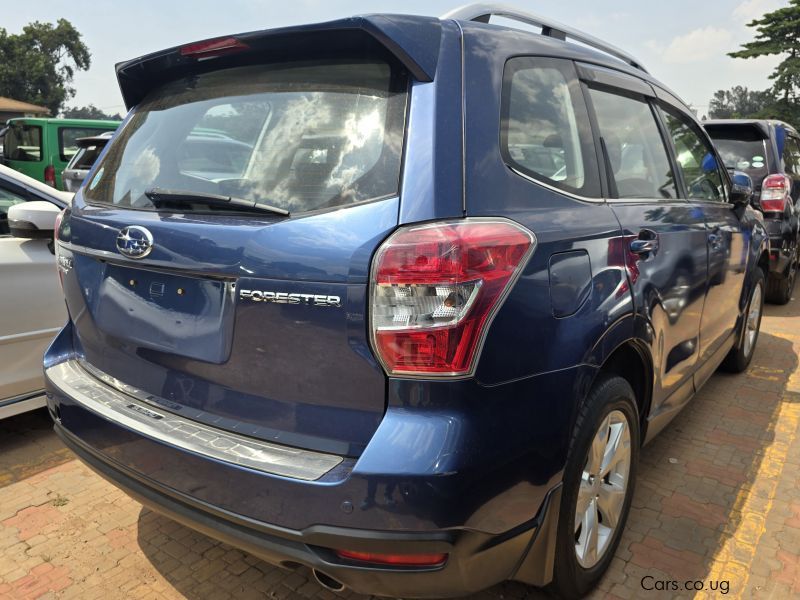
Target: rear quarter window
545 129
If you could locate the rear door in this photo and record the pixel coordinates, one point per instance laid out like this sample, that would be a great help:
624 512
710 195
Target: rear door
705 184
252 319
665 237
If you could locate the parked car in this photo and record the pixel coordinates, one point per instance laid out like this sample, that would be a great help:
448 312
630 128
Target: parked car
89 148
41 148
32 307
768 151
417 343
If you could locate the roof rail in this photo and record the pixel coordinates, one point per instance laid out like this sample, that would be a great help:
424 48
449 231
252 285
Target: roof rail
482 12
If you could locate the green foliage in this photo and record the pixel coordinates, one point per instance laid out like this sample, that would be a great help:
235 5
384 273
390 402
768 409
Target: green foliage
38 65
89 112
738 103
778 33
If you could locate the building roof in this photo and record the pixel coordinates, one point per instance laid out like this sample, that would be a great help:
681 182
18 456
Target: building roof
11 105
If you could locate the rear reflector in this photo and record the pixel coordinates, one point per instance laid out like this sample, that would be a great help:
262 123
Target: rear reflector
435 289
775 193
397 560
212 48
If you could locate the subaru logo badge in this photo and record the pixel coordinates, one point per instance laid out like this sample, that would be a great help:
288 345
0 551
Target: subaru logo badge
134 241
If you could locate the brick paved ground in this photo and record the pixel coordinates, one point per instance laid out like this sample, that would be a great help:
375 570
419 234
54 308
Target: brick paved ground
718 500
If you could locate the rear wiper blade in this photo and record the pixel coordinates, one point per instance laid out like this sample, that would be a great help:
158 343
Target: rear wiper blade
160 196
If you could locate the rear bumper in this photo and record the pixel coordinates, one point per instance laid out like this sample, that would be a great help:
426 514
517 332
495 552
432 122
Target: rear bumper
494 521
475 561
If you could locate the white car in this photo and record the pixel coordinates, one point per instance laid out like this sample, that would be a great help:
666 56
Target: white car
32 308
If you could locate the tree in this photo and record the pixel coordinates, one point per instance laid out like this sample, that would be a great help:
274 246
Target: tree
89 112
778 33
738 103
38 65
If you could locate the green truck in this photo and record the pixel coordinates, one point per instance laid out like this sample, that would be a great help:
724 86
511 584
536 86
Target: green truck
41 148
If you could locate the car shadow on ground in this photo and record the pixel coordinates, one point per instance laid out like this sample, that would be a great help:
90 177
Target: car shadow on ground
704 486
28 446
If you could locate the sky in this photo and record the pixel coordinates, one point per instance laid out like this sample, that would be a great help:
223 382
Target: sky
683 43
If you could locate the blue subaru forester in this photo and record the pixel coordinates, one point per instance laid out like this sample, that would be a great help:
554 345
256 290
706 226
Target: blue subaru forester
399 299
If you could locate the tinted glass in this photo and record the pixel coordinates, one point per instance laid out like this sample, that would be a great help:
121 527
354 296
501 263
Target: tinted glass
636 153
695 158
792 156
84 158
545 127
23 142
299 136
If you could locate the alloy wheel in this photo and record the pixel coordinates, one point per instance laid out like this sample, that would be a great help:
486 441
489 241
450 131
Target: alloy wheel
603 489
753 320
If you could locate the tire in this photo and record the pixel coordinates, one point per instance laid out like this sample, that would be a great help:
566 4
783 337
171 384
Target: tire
576 568
741 354
780 289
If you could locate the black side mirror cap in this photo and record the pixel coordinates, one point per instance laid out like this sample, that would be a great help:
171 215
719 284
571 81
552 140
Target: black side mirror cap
741 189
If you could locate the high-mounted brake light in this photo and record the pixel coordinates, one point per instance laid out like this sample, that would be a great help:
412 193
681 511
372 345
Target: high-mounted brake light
212 48
397 560
775 193
435 289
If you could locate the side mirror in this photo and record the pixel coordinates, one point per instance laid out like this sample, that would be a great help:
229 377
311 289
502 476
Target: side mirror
33 220
741 189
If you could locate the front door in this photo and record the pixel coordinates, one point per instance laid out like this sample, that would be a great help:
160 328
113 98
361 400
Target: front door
727 247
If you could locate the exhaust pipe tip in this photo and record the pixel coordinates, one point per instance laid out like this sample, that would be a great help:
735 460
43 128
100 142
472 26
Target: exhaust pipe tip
328 582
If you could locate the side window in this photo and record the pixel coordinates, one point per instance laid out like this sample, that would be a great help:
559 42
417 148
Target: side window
696 159
637 156
67 136
8 198
545 128
23 142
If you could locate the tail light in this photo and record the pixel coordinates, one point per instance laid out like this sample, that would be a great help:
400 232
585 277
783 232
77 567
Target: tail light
436 288
775 193
50 175
396 560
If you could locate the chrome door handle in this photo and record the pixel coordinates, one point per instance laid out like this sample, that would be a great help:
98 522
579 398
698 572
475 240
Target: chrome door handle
644 246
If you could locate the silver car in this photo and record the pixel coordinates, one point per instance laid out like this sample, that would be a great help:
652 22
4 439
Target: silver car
32 306
89 148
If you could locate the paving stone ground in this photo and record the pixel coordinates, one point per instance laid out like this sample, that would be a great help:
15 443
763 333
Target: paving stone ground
717 503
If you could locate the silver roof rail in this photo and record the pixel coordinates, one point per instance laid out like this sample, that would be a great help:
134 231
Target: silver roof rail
482 12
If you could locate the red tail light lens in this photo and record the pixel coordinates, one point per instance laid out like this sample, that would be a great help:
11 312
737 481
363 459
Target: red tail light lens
435 289
775 193
397 560
212 48
50 175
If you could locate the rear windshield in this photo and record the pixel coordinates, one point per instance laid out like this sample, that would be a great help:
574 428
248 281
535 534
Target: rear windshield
84 158
23 142
743 149
298 136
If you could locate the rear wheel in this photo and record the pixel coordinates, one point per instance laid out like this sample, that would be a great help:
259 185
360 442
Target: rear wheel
598 486
780 289
741 354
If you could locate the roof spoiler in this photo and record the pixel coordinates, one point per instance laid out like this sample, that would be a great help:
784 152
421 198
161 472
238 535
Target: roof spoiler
413 41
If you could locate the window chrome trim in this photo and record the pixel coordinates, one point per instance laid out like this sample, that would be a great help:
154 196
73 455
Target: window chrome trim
125 405
555 189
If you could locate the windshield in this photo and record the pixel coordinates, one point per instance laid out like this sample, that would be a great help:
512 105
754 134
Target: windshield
297 136
744 152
